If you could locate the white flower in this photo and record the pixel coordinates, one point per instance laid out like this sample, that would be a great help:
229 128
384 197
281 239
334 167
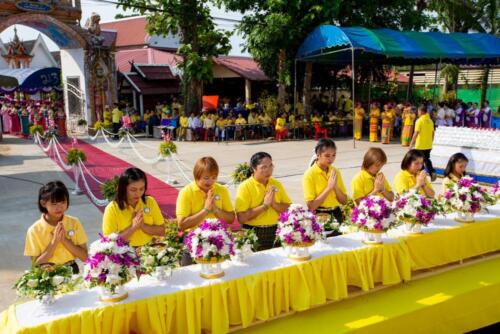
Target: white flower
113 279
57 280
149 260
32 283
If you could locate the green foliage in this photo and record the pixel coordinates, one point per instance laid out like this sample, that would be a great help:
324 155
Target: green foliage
75 155
246 237
167 148
110 188
45 280
270 106
242 172
36 129
159 254
82 122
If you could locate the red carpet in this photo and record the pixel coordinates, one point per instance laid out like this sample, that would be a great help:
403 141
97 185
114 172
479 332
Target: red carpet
104 166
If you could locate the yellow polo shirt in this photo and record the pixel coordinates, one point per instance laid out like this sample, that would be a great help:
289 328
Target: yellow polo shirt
106 116
184 121
280 123
221 122
240 121
362 185
40 234
404 181
116 115
251 194
191 200
116 220
425 128
315 181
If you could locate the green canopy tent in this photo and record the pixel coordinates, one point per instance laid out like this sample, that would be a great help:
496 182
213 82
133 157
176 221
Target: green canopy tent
330 44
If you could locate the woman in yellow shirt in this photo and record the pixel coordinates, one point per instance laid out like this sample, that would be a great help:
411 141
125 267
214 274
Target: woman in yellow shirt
455 169
370 181
392 111
408 122
261 199
359 113
412 175
280 128
133 215
56 237
324 189
202 199
386 125
374 117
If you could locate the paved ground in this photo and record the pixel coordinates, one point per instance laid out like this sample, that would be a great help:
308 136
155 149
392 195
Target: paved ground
24 167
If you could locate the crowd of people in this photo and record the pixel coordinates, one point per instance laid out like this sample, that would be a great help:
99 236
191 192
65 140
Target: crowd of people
240 121
18 115
61 239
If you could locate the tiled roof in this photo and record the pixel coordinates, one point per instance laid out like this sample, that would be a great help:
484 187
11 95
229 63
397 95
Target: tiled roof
244 66
144 56
130 31
143 86
154 72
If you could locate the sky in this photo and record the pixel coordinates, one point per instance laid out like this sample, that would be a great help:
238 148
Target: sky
107 12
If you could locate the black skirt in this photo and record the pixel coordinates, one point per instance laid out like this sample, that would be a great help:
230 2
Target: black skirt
266 236
334 213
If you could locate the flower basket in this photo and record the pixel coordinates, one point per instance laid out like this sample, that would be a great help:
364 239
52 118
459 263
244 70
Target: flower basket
298 229
465 197
45 282
373 216
245 242
210 244
34 129
74 156
158 259
110 188
112 262
414 211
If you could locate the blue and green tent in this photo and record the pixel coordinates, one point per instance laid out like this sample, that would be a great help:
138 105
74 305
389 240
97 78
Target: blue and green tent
332 44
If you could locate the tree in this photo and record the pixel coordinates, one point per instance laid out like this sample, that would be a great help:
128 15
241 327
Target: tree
274 29
200 40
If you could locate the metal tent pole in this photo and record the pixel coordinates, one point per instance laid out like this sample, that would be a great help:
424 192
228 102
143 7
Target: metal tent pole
353 97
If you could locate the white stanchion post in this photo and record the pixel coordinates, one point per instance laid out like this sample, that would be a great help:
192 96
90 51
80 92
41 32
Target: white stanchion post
170 180
76 173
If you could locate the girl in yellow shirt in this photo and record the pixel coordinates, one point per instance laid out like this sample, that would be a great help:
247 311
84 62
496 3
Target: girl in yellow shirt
386 125
455 169
370 181
260 200
359 113
374 116
408 122
133 215
324 189
56 238
412 175
202 199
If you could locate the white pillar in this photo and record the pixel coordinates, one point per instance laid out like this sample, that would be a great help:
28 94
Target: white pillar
141 104
248 90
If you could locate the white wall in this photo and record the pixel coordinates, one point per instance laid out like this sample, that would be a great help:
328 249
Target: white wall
41 57
73 65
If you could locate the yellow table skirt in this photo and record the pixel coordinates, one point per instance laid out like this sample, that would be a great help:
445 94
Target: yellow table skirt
454 244
241 301
456 301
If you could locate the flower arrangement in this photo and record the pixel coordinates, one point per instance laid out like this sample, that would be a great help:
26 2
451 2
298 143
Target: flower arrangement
74 156
111 263
242 172
155 255
347 208
123 132
211 240
107 124
50 133
328 221
465 196
414 208
245 240
298 226
34 129
110 188
495 191
373 214
167 147
45 281
81 122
